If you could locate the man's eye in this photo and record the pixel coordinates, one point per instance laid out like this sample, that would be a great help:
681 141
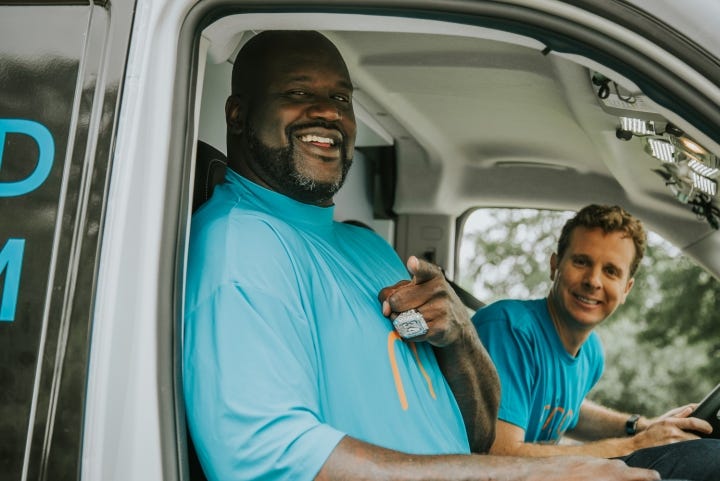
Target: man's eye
342 98
296 93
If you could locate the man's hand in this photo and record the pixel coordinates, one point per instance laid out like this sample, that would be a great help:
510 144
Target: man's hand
673 426
429 293
464 362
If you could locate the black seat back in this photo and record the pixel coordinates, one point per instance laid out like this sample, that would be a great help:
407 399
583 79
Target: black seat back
210 167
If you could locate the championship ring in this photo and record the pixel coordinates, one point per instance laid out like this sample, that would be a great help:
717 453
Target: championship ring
410 324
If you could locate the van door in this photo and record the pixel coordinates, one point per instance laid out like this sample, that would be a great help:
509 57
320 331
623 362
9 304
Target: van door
61 67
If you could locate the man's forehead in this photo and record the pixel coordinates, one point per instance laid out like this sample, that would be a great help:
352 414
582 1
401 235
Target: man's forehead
310 75
583 237
301 67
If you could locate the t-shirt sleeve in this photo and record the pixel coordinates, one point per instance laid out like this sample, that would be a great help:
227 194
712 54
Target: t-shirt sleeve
250 373
511 349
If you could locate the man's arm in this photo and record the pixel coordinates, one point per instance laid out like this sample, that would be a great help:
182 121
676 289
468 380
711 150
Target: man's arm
607 428
597 422
464 362
358 461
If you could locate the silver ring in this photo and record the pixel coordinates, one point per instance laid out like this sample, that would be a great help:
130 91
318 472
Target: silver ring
410 324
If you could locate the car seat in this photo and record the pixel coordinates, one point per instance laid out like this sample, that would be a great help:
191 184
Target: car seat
210 167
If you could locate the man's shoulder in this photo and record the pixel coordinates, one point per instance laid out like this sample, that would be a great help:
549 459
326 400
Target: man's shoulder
228 241
510 315
221 216
507 309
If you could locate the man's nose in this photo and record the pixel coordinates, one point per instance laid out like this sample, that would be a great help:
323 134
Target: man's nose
592 277
325 109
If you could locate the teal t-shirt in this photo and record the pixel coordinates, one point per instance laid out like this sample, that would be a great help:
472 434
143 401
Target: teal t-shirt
542 385
286 349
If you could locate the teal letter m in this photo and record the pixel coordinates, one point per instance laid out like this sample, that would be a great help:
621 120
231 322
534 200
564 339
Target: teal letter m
11 257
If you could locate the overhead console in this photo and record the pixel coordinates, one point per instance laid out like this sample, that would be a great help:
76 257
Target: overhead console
688 168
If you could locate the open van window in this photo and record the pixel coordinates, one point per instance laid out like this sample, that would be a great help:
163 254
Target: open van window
655 343
461 104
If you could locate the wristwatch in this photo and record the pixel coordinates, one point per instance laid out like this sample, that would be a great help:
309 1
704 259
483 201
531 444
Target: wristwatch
631 424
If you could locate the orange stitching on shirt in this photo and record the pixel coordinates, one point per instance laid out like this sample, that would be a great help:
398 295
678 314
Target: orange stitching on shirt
422 370
552 413
392 337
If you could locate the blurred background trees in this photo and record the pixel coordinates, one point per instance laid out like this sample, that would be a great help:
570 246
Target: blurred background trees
662 346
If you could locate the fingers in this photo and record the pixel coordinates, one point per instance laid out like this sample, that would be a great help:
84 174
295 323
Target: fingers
643 474
699 426
427 284
422 271
386 292
680 412
672 430
687 424
429 293
640 474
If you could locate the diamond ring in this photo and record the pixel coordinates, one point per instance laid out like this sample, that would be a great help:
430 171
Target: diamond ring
410 324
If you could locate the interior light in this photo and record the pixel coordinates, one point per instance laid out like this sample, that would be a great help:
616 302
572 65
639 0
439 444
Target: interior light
704 184
662 149
692 146
689 170
637 126
703 169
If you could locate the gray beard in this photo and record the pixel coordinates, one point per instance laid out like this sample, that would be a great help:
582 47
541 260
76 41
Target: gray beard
277 168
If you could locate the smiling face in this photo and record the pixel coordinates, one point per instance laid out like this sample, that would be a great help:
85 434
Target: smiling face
299 128
591 279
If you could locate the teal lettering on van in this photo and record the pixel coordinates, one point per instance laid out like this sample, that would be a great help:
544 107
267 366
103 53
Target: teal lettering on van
11 258
46 147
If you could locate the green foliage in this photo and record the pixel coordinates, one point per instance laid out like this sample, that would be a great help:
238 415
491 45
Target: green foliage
662 346
508 253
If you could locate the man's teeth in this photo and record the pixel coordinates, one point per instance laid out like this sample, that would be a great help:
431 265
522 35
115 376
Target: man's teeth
589 301
317 138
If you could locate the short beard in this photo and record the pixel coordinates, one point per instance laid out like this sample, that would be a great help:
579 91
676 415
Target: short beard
277 167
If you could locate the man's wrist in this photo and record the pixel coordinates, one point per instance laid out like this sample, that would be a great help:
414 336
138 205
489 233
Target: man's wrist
631 425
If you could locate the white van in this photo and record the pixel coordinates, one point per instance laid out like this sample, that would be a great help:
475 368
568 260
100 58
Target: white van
461 104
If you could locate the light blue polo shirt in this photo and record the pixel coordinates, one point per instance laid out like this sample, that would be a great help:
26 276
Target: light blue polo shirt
542 386
286 349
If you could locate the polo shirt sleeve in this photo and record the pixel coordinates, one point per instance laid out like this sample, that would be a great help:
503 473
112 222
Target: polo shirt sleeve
250 370
512 352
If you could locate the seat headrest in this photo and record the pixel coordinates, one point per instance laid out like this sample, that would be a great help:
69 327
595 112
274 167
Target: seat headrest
210 167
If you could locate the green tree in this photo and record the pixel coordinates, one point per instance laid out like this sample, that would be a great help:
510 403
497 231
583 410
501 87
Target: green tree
506 253
661 346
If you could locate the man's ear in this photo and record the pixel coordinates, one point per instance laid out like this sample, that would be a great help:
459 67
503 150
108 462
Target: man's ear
628 287
235 110
553 265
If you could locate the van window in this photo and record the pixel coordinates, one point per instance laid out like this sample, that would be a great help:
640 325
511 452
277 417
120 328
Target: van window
659 345
56 122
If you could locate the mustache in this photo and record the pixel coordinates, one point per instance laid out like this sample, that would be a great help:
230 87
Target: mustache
291 129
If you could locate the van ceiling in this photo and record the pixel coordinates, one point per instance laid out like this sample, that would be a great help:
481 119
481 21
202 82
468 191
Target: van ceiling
484 117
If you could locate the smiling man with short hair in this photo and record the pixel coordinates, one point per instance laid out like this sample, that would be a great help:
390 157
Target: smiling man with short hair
549 357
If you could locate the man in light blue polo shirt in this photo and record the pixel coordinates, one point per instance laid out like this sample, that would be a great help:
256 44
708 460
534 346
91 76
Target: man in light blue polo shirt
549 357
292 369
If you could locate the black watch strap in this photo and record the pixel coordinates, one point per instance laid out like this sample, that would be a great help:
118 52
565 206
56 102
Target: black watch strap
631 424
